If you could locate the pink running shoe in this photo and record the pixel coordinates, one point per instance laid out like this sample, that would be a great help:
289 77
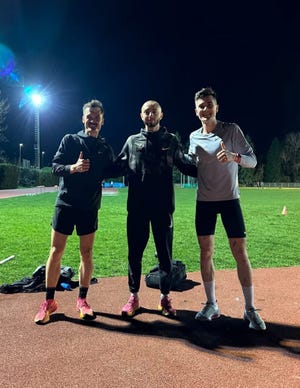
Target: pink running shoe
85 311
131 307
165 307
46 308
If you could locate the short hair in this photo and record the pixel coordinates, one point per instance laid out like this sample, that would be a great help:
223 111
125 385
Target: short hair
204 92
93 104
152 102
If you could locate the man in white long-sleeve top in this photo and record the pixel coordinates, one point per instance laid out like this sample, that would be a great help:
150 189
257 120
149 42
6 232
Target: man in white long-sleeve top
219 148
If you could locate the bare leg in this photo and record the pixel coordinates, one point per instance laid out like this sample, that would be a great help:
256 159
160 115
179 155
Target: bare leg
206 244
210 310
58 244
239 251
86 259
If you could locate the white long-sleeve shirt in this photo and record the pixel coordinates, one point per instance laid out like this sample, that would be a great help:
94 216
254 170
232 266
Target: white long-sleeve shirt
219 181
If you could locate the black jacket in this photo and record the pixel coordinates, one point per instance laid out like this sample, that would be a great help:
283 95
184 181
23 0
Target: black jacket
82 190
147 159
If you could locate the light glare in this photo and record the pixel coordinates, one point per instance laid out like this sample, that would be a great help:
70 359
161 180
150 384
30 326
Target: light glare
37 99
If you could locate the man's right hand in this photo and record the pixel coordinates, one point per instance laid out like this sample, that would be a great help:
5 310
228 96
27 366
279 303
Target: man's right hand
82 165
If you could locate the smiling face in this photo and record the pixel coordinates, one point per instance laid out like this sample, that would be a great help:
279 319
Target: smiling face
206 109
92 120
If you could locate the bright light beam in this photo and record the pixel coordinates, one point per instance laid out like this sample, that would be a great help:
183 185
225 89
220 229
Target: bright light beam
36 99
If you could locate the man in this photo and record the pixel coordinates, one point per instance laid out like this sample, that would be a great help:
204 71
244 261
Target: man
81 162
148 158
219 148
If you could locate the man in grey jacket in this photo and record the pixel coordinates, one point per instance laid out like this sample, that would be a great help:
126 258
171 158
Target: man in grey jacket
219 148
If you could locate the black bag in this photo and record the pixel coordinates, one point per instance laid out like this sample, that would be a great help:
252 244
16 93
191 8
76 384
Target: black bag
178 275
37 282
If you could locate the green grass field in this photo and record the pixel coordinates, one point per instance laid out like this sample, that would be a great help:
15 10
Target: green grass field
273 238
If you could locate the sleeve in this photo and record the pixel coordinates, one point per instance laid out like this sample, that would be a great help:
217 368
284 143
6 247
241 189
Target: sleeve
242 146
192 149
119 166
184 162
61 163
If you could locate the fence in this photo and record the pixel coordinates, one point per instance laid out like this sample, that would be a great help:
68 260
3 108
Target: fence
279 184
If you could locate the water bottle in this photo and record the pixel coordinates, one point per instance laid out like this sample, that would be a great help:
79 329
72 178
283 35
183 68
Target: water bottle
66 286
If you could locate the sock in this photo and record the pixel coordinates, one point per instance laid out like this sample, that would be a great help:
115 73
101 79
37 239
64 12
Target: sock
83 292
135 294
210 291
50 291
162 296
249 297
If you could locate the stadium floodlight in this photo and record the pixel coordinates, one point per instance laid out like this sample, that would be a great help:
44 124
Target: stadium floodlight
37 99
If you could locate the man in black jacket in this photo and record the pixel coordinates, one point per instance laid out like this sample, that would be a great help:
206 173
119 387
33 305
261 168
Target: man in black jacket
148 158
81 161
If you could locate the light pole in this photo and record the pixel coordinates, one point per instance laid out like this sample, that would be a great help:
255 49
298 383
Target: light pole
37 101
20 154
43 156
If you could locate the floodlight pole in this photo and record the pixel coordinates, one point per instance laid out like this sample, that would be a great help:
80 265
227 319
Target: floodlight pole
37 143
20 154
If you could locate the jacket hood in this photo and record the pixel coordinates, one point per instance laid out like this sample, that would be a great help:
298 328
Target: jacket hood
85 136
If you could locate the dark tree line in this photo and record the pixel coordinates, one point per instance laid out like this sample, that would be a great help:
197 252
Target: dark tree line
282 162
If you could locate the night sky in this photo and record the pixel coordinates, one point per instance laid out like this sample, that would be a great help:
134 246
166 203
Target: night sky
126 52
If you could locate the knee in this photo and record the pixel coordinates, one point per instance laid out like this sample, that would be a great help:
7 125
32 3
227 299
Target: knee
206 254
86 253
56 253
206 244
239 250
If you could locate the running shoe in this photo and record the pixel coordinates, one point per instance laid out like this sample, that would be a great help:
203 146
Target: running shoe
255 320
46 309
85 310
131 307
165 307
210 311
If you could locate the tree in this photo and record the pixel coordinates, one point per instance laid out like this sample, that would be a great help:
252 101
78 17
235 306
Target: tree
290 156
259 174
272 171
4 107
246 175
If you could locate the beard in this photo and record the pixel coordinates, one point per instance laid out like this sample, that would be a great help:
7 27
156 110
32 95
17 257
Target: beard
152 124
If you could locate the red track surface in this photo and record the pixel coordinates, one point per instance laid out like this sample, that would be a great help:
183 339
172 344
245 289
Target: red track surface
154 351
43 189
28 191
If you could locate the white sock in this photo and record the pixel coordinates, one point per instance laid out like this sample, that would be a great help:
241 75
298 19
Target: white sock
135 294
162 296
210 291
249 297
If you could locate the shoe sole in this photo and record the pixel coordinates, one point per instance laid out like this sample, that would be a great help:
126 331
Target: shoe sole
205 319
130 313
252 327
46 318
168 314
165 312
86 317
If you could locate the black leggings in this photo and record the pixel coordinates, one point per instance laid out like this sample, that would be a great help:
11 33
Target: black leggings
138 232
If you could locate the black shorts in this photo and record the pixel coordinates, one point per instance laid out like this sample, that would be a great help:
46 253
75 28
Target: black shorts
231 215
66 218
